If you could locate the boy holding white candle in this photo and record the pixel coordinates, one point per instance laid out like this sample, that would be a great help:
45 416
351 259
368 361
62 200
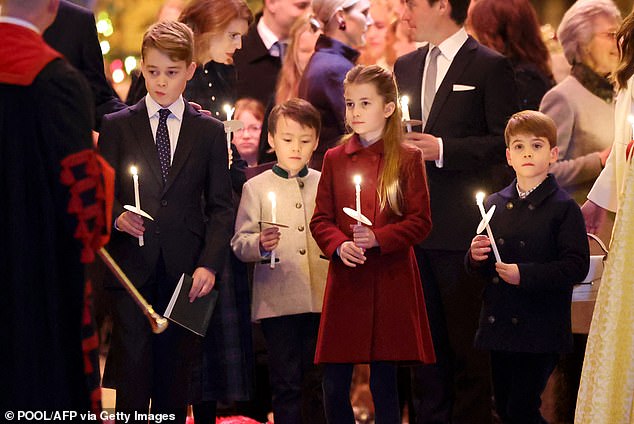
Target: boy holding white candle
540 232
185 185
287 295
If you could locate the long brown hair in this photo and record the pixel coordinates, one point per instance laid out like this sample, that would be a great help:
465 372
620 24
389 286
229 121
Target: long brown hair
210 17
625 43
511 27
389 188
291 74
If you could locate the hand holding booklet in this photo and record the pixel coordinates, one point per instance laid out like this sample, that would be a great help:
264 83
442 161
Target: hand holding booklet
194 316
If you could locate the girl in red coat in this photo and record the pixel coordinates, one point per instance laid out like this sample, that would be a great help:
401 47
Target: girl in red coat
374 310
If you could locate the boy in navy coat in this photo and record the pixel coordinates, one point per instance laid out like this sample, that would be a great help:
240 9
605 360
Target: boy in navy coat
184 184
541 236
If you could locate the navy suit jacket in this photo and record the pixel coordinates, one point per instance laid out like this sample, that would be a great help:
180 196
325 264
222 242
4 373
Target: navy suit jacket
469 113
193 215
256 69
546 236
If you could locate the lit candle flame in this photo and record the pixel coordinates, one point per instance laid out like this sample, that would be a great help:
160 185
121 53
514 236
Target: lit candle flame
479 197
357 179
133 170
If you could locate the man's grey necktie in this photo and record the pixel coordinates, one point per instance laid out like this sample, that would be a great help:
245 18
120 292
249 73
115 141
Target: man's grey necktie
430 82
163 143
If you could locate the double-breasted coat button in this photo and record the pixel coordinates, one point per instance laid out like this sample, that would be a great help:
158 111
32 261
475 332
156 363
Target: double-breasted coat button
522 244
206 71
491 319
514 321
300 183
163 203
500 241
531 207
495 280
217 113
210 84
509 205
298 205
157 231
300 228
302 251
213 98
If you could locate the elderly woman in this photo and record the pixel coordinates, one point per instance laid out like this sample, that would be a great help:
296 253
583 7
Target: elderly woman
582 105
606 393
344 23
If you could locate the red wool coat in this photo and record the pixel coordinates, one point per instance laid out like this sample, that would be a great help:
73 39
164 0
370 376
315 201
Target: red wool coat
376 311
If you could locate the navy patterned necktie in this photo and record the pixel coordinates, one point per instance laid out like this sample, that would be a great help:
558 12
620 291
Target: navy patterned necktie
163 143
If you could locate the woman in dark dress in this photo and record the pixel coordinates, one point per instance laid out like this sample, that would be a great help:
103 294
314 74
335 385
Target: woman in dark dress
511 28
344 24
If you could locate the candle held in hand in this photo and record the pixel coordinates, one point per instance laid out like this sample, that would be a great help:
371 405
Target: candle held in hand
405 112
137 197
357 190
494 247
273 220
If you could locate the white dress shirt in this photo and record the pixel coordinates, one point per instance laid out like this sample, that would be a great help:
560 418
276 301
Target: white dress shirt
174 120
448 50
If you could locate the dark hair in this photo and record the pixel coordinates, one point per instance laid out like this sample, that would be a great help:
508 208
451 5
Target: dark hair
531 122
459 9
175 39
511 27
625 43
298 110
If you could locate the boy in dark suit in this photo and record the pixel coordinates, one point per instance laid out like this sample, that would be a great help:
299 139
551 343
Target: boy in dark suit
525 316
185 186
464 93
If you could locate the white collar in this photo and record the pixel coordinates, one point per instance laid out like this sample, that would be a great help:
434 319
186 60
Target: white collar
177 108
19 22
267 36
451 45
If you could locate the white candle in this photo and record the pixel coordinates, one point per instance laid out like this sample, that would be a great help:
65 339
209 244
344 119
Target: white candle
273 220
357 189
479 201
229 111
405 112
137 198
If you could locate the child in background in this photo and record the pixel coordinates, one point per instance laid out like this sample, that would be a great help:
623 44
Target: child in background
287 299
541 236
374 310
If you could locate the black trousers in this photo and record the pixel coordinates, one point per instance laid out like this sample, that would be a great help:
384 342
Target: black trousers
295 379
142 365
383 385
457 388
518 382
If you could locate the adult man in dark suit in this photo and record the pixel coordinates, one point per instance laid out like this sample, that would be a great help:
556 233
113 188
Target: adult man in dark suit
260 59
464 93
185 186
48 165
74 34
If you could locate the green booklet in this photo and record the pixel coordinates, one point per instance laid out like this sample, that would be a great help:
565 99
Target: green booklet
193 316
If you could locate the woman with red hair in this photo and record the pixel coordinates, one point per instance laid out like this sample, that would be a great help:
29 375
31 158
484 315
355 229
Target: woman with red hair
511 28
